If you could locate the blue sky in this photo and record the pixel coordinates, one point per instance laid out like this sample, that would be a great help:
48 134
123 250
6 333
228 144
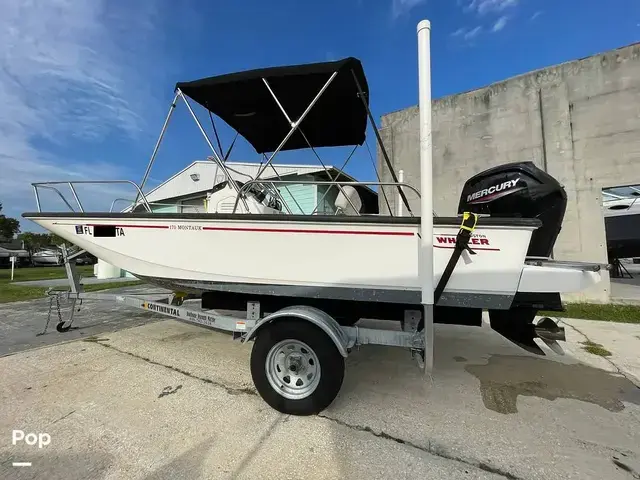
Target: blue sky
85 84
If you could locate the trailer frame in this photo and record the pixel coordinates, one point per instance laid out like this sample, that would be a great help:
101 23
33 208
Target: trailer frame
335 341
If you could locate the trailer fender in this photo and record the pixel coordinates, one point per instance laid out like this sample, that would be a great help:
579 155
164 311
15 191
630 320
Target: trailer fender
311 314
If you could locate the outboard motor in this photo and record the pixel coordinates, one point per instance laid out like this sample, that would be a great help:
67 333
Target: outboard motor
522 190
519 190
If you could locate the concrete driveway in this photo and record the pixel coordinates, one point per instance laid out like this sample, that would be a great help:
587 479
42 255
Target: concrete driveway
170 400
21 323
627 290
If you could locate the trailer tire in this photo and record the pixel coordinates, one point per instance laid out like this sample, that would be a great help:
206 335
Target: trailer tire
296 368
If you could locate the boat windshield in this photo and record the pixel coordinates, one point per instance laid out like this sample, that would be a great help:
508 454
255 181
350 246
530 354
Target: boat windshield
625 191
262 192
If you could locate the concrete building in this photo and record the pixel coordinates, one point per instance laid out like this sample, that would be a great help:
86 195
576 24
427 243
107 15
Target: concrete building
579 121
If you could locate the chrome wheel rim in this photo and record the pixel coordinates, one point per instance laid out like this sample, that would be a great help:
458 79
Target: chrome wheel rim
293 369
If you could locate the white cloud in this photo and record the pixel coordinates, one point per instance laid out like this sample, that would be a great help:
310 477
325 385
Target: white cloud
71 70
487 6
500 24
471 34
401 7
536 15
467 34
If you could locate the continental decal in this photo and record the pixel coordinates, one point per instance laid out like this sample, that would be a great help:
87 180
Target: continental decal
161 309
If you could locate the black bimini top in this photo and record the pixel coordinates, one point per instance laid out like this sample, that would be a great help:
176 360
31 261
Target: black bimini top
243 101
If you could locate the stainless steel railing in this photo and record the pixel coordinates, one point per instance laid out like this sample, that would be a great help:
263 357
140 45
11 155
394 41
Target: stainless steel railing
70 184
131 201
247 185
241 194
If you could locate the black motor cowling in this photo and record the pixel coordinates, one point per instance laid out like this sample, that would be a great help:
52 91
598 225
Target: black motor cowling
519 190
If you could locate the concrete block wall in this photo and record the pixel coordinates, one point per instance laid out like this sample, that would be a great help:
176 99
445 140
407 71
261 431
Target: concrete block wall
579 121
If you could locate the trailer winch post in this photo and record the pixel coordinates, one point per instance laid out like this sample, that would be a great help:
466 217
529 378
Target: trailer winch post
426 189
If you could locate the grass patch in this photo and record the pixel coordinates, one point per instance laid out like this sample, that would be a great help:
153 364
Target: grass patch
17 293
96 287
596 349
25 274
10 292
604 313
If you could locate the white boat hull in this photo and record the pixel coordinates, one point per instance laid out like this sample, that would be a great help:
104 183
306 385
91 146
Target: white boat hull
47 258
314 258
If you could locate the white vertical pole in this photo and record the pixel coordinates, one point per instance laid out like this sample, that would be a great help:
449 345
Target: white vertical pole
426 188
13 264
399 201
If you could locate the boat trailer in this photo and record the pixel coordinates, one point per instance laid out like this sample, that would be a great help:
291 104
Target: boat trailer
298 356
297 366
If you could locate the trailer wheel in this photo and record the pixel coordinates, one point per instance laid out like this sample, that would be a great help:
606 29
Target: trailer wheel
296 367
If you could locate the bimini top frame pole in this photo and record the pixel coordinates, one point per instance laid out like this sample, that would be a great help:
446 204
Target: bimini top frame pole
381 143
157 146
295 126
217 159
426 188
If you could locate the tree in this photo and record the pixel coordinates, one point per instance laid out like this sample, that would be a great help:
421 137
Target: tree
34 241
56 240
8 226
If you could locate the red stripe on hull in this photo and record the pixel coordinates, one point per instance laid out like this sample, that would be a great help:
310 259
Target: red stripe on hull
282 230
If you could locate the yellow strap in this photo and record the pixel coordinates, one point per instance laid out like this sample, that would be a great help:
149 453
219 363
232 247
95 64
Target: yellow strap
466 216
